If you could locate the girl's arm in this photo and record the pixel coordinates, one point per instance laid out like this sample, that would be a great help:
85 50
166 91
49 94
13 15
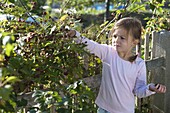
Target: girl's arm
99 50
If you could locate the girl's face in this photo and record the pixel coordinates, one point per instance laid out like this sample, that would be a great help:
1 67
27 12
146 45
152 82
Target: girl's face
123 42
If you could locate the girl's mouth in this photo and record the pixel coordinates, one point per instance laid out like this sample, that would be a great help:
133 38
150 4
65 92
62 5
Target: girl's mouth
116 45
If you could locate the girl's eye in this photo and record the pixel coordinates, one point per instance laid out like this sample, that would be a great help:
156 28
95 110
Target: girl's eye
122 37
114 36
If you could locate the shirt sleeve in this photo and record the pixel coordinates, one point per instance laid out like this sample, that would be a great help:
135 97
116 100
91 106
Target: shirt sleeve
100 50
141 88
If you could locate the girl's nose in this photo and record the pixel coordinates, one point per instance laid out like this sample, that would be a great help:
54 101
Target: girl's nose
116 39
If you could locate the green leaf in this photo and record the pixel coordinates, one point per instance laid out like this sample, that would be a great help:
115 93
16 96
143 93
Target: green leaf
12 1
22 102
104 24
160 10
9 107
63 110
48 43
4 93
38 93
11 79
152 6
160 1
64 17
73 92
6 34
9 48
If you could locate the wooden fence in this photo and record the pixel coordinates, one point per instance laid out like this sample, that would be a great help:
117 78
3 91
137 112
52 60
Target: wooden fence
157 57
158 68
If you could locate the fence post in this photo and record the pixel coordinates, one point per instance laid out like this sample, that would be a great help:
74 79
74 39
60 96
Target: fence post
154 38
167 71
161 102
146 46
157 74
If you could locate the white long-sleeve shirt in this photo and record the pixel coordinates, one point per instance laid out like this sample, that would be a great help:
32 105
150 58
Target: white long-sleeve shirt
121 79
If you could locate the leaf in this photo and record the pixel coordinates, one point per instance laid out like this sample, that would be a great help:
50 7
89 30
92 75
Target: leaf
4 93
22 102
63 17
152 6
9 106
1 58
9 48
52 29
160 1
104 24
73 92
12 1
98 60
160 10
11 79
48 43
38 93
63 110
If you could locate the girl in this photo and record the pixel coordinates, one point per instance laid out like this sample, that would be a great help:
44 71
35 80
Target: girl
123 73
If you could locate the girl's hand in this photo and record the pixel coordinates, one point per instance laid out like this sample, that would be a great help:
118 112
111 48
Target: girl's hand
67 31
71 33
158 88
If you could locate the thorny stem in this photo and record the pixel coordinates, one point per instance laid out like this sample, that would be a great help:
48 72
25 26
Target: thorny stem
65 5
106 27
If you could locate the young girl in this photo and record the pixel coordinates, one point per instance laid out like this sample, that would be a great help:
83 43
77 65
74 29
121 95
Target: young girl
123 73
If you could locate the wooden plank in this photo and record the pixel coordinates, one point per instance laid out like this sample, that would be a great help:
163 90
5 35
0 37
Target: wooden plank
166 43
154 38
155 63
157 110
141 101
146 47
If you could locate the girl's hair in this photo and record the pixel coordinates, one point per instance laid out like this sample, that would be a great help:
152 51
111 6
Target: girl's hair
133 26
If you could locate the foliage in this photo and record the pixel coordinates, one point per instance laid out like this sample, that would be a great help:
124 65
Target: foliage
160 17
78 98
38 57
42 57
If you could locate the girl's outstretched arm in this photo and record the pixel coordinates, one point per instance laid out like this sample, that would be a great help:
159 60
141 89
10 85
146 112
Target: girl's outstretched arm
100 50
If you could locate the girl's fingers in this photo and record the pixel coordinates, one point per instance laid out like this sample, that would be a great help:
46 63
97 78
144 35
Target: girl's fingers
161 88
71 33
157 86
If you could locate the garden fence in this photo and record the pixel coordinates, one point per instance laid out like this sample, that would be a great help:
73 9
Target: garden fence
158 67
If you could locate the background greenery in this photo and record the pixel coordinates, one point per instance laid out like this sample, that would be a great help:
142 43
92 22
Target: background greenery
41 69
